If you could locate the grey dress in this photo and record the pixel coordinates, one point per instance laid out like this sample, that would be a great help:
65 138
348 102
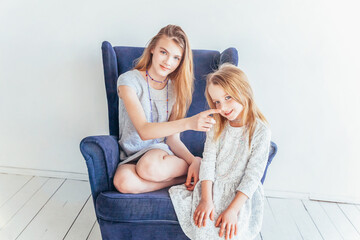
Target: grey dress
131 145
231 166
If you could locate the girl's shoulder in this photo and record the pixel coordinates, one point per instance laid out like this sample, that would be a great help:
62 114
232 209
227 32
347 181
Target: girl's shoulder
131 78
262 129
131 75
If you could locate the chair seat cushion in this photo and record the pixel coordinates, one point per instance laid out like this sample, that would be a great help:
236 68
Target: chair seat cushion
149 207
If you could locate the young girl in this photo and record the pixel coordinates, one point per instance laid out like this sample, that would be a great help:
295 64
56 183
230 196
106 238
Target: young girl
153 99
235 156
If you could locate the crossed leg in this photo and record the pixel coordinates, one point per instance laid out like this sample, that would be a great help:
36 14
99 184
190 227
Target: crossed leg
155 170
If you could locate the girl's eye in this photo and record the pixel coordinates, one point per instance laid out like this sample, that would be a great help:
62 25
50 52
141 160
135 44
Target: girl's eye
177 58
227 97
163 52
217 102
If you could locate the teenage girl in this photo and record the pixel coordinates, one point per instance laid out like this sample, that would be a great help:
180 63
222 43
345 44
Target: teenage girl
153 100
229 192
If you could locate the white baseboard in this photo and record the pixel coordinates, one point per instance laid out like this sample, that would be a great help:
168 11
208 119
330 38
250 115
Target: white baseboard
45 173
311 196
330 198
288 195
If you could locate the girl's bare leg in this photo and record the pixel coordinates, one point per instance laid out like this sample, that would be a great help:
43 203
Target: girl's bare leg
157 166
126 180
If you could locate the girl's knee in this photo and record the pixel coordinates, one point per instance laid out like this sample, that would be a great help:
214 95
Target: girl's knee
149 168
124 180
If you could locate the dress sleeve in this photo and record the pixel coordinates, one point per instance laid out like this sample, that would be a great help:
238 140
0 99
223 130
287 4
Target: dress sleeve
257 162
129 79
207 166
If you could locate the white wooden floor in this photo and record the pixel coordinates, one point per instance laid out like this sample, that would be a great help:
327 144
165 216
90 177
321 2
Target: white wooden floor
51 208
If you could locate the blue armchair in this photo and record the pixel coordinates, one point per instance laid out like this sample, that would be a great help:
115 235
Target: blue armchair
148 215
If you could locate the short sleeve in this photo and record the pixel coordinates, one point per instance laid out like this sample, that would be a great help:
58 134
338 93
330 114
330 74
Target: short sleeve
129 79
257 162
207 166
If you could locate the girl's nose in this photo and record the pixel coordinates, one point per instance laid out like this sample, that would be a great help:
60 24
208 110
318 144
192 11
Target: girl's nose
167 61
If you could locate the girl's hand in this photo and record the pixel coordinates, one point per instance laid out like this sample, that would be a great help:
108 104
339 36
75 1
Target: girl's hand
203 211
227 222
202 121
193 173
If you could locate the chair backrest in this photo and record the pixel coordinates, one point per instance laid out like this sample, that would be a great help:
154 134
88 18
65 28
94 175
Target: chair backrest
119 59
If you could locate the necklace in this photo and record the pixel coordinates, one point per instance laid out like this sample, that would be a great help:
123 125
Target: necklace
147 74
167 101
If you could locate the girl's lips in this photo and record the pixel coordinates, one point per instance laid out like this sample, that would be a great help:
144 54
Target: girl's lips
227 114
164 68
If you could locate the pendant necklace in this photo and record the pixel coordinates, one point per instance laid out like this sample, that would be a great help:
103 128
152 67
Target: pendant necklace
167 98
147 74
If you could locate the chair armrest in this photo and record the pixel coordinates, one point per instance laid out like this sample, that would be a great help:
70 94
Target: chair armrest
101 154
272 153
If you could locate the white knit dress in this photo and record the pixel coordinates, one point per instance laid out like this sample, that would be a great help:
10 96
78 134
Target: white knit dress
232 167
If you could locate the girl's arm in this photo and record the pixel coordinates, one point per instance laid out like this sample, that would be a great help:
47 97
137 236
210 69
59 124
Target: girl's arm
207 167
146 130
237 203
180 150
177 146
206 190
228 219
205 208
257 162
260 143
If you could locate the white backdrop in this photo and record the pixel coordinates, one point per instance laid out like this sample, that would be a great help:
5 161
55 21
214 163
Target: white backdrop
302 58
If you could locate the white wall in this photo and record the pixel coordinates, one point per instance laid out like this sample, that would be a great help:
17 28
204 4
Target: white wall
302 58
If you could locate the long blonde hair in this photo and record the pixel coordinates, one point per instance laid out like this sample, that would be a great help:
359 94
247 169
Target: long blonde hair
183 76
235 83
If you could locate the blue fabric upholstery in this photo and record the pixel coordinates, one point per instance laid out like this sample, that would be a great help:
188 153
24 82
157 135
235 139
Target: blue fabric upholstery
148 215
152 207
140 231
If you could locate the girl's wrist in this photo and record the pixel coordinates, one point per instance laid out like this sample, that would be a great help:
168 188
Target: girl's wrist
206 200
236 210
237 203
187 123
193 159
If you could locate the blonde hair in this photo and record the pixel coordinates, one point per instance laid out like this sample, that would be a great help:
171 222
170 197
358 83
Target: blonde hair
183 76
235 83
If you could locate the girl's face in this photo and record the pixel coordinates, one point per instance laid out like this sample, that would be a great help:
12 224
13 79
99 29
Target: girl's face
166 57
230 108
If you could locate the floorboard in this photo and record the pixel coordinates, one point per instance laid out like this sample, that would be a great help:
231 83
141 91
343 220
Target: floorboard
84 223
20 198
323 223
29 211
288 226
342 223
9 190
58 214
270 228
53 208
305 224
352 213
95 232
